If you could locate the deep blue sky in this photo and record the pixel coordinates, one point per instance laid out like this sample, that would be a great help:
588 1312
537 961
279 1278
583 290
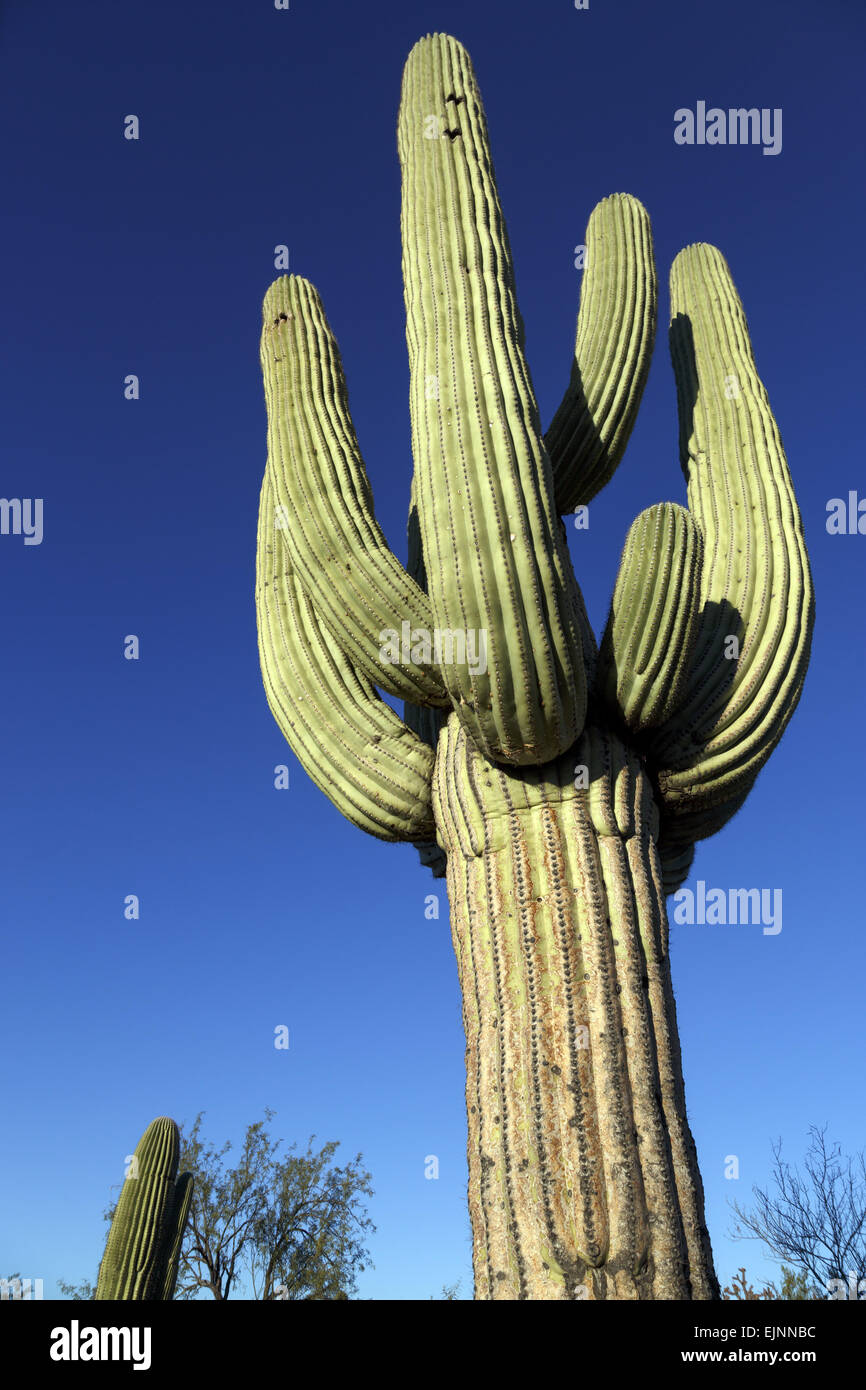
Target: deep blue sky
155 777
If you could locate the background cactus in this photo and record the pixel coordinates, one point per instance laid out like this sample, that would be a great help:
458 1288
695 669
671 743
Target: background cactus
142 1252
563 788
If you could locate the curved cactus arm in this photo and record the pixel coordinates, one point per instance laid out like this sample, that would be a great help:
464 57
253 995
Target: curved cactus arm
616 328
650 634
433 857
675 867
756 589
682 826
350 742
493 549
337 548
147 1229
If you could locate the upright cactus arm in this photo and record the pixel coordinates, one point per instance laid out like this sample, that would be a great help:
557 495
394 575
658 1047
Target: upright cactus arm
356 749
707 644
650 634
616 327
320 484
757 604
494 553
648 643
180 1213
143 1247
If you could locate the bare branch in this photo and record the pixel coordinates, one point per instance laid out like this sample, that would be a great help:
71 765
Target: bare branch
818 1224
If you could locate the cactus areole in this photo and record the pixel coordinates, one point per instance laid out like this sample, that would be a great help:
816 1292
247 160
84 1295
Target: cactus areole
560 786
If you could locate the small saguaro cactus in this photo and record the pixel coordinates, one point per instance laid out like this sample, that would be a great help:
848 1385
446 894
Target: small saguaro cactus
142 1252
560 786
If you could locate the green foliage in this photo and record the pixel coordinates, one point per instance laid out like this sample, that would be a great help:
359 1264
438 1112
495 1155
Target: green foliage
449 1292
82 1291
288 1223
738 1288
794 1286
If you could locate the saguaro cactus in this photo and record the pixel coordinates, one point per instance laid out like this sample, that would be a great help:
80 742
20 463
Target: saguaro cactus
561 787
142 1252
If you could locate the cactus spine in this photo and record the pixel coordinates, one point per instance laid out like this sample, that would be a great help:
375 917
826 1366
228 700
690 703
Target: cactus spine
142 1252
562 789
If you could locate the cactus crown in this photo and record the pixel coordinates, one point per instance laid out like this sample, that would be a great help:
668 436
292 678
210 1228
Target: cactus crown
707 643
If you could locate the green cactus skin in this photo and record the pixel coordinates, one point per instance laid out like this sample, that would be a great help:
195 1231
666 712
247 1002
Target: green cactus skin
755 581
142 1252
561 793
650 636
583 1177
352 744
330 530
616 327
483 478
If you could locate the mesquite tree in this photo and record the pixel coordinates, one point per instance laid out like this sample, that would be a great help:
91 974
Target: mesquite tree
561 786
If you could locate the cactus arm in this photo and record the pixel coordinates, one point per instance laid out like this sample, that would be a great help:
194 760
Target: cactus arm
494 553
650 633
147 1230
177 1225
359 588
675 867
616 326
682 824
755 584
350 742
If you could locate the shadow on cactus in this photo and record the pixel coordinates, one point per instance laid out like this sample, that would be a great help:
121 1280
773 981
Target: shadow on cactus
563 787
142 1252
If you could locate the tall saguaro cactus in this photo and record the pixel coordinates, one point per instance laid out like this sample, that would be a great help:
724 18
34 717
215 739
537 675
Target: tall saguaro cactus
142 1253
560 786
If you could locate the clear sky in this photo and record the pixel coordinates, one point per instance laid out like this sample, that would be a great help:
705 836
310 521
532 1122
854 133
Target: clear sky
258 907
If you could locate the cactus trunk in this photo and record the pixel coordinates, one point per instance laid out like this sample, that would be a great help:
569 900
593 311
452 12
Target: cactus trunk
583 1176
